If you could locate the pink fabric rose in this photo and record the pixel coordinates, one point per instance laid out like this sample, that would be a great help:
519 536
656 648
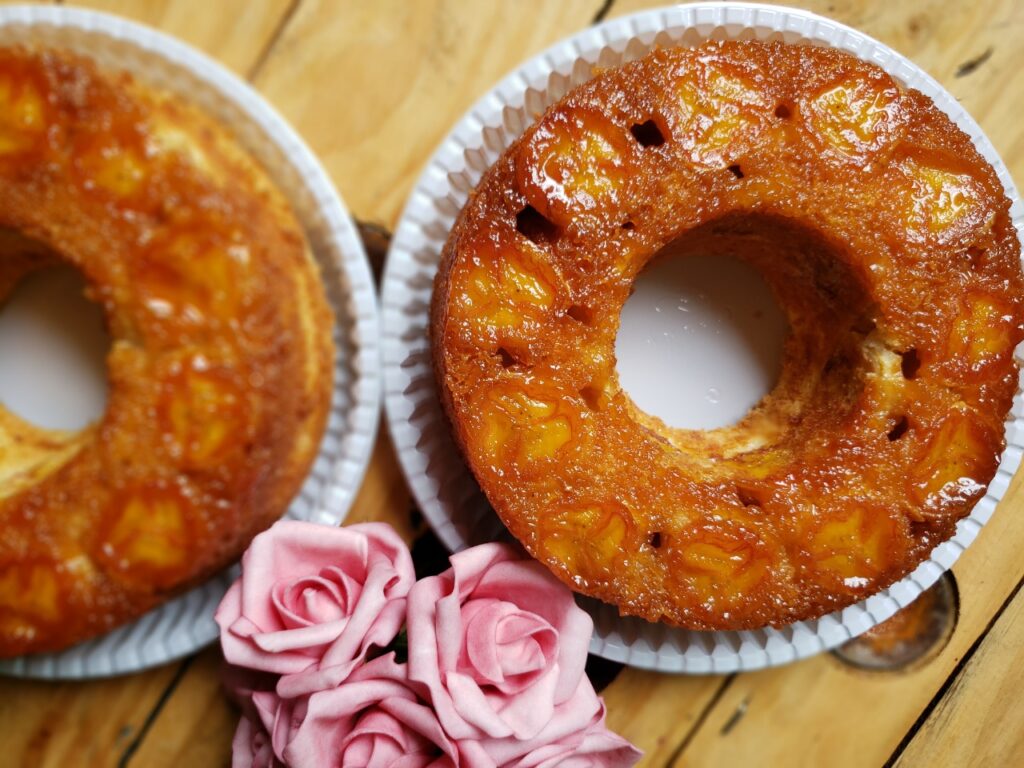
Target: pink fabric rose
373 719
500 645
312 599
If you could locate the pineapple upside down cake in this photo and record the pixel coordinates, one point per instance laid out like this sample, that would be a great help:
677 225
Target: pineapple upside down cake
221 357
887 241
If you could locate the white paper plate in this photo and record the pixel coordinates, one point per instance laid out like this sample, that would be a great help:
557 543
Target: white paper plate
442 485
186 624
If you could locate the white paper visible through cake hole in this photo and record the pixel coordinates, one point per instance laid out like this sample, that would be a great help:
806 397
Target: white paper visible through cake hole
700 340
186 624
445 489
53 347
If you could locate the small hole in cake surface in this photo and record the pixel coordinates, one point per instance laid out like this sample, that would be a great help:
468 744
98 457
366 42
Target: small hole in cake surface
783 112
736 171
655 540
506 358
910 363
534 226
747 497
593 396
648 134
53 348
628 225
899 429
580 314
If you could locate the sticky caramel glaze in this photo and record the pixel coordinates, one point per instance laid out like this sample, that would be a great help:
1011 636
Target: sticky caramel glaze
220 368
887 241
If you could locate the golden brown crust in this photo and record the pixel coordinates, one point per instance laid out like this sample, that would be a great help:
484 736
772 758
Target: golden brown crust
220 367
887 240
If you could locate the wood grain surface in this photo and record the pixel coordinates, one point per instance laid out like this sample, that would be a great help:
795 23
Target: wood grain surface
373 87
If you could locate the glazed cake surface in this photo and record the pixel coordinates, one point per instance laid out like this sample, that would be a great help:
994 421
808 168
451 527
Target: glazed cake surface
887 241
220 365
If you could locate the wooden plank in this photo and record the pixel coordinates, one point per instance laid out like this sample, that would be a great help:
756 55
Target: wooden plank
235 32
195 726
374 87
979 721
59 725
658 712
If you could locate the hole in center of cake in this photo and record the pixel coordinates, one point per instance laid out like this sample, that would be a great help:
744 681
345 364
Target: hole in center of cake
53 347
701 338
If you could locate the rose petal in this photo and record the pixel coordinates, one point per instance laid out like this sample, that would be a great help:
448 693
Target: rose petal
289 550
322 677
537 591
473 707
377 741
251 748
422 721
480 643
569 720
527 711
313 599
330 716
528 645
280 718
311 638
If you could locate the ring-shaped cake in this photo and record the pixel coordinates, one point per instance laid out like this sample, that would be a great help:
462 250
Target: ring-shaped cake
887 241
220 365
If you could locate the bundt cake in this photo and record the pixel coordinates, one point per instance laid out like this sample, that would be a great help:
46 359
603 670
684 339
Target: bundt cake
887 241
221 358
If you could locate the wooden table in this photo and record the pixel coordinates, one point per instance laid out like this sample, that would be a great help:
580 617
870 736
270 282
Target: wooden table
373 87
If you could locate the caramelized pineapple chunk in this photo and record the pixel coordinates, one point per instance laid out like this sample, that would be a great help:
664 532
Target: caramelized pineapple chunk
117 170
982 332
591 540
574 164
717 114
942 205
955 463
853 545
22 114
30 591
190 282
149 536
855 117
498 293
719 560
202 411
526 425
